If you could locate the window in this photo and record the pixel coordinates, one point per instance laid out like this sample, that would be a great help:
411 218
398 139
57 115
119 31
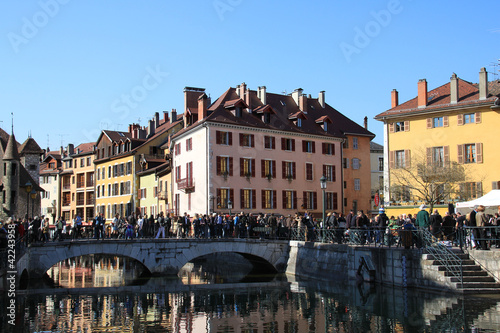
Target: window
268 199
129 168
103 171
289 199
82 162
299 122
247 140
471 190
357 184
224 166
328 148
268 169
355 163
247 167
346 143
98 175
248 199
331 199
345 163
189 144
178 173
470 153
400 159
88 161
287 144
288 170
380 164
177 149
308 146
354 143
469 118
438 156
224 138
399 126
437 122
223 197
310 200
309 171
329 173
400 193
109 172
269 142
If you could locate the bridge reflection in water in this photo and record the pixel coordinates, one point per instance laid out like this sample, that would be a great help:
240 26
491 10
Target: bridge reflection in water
283 304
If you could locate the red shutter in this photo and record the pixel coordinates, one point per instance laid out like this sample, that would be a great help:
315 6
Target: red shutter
241 139
273 140
304 146
315 200
304 199
230 166
294 170
218 198
460 154
273 168
254 199
323 148
139 194
230 138
407 126
283 144
324 170
231 195
253 166
460 119
335 198
314 147
241 166
263 168
333 148
242 198
263 198
145 193
293 144
294 199
275 199
284 199
334 174
283 169
217 137
391 128
252 140
218 165
479 153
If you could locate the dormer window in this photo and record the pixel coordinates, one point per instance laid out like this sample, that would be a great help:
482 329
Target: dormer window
238 112
323 122
325 126
236 107
267 118
297 118
299 122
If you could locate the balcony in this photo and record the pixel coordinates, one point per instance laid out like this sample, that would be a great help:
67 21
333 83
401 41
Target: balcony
163 195
186 185
66 203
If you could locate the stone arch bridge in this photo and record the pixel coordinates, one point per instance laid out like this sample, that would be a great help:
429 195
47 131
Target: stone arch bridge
159 256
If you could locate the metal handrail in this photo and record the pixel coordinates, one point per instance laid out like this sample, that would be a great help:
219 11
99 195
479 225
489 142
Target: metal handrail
442 254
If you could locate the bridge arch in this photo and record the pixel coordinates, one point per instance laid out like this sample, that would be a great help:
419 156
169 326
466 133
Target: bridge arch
162 256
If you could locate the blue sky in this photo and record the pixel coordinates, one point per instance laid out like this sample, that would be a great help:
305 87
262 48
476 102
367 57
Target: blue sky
71 68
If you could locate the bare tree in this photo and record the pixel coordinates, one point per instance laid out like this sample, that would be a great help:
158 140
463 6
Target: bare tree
427 179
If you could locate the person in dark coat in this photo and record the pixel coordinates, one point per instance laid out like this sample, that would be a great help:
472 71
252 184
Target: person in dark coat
436 222
448 226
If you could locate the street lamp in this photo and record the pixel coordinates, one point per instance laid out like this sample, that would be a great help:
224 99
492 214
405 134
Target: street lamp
211 197
28 187
230 206
322 182
33 197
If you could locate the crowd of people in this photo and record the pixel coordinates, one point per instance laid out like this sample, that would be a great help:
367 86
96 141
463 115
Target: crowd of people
377 229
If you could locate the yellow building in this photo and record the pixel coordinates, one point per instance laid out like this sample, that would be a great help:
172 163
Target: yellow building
453 123
121 156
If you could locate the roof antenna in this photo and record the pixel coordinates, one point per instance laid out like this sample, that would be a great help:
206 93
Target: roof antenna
495 71
12 115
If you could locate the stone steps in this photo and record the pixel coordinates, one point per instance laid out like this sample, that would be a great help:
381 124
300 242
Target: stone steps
474 279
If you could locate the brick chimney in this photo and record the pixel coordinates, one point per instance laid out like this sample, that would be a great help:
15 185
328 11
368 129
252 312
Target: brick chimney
165 117
202 107
247 99
295 95
394 98
483 84
157 119
261 94
365 121
422 93
321 98
151 128
454 89
303 103
243 89
173 116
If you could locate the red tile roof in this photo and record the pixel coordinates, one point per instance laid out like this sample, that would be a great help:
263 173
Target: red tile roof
439 98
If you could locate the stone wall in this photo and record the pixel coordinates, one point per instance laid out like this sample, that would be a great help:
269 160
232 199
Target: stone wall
489 260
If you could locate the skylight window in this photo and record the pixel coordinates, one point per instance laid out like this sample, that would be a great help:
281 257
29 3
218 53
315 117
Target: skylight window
282 103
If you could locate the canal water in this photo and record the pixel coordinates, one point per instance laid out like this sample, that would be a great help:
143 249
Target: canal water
112 294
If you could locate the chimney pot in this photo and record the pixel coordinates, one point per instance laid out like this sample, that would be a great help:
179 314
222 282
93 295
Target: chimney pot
394 98
296 94
243 89
151 128
173 116
262 95
422 93
366 122
303 103
157 119
483 84
454 89
165 117
202 107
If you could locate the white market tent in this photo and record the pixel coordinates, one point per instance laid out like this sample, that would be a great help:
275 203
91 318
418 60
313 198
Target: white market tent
491 199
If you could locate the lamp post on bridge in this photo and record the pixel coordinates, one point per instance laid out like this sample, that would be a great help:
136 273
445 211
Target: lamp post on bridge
322 182
230 206
28 187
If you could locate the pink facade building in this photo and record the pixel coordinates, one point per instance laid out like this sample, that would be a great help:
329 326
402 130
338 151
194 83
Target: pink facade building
254 151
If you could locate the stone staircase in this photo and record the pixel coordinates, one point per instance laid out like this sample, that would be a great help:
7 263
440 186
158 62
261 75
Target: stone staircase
475 279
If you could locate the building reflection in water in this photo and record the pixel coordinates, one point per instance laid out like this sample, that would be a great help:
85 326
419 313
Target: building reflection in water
281 305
